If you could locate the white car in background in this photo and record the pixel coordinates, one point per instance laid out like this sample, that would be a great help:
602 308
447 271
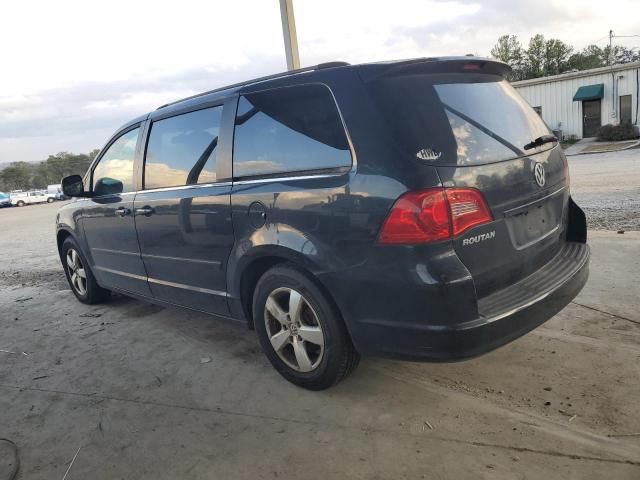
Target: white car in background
56 191
20 199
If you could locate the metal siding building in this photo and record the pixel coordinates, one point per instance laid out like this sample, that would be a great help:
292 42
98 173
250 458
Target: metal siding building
554 96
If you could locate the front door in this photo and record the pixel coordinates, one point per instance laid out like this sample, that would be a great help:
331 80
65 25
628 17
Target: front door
591 119
183 215
108 222
625 109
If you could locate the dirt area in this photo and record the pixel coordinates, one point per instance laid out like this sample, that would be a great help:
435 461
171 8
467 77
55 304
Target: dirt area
124 385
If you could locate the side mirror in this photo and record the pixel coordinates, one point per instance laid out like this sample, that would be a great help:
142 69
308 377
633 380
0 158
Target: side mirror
108 186
72 186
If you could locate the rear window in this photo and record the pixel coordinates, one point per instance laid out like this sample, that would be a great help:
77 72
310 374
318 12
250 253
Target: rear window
458 119
290 129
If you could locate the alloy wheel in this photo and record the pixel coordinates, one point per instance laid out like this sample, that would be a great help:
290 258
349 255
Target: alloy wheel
293 329
77 273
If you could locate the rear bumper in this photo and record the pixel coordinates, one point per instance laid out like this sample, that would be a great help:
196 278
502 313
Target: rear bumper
502 316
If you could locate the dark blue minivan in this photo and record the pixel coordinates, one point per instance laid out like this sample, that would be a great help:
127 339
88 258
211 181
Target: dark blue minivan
412 209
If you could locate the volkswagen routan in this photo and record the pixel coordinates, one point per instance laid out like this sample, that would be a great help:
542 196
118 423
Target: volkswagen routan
415 209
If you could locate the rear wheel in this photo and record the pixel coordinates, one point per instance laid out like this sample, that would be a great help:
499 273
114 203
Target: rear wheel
20 203
79 275
49 200
300 330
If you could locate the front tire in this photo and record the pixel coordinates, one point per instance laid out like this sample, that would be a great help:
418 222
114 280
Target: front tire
49 200
20 204
79 275
300 330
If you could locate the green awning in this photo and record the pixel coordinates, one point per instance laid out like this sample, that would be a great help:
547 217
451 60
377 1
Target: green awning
589 92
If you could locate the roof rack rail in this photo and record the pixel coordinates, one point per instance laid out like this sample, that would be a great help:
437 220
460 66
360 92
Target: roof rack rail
320 66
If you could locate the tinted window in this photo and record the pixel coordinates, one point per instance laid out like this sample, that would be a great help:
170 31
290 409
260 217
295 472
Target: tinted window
114 172
287 130
182 150
464 119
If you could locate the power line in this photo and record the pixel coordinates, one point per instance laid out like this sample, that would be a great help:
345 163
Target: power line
592 42
597 40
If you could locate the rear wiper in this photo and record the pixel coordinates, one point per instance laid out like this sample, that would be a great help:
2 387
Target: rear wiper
540 141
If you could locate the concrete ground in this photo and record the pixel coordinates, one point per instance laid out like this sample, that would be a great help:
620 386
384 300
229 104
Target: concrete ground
592 145
125 383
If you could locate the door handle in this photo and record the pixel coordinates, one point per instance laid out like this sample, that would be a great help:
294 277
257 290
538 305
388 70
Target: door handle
123 211
146 211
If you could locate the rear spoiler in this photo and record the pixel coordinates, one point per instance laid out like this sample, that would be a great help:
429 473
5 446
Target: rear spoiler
374 71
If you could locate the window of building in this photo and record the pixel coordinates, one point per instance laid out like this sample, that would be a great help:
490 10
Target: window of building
114 172
182 149
625 108
538 110
289 129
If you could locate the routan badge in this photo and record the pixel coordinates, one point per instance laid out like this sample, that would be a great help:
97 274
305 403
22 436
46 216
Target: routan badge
428 154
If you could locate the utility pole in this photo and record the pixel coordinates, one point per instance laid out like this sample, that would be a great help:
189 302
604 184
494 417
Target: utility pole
289 33
610 56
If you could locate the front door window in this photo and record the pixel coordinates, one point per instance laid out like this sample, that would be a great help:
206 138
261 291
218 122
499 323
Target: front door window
114 172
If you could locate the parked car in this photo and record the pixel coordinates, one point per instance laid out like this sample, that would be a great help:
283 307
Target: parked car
5 200
20 199
417 210
55 191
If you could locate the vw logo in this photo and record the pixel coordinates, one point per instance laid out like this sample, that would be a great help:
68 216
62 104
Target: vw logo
538 172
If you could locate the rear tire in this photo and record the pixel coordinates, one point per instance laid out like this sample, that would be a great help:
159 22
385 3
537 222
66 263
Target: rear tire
79 275
300 329
20 203
49 200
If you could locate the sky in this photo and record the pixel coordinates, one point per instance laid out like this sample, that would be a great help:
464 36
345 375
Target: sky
74 71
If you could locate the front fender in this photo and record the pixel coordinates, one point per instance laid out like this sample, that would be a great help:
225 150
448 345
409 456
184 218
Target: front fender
67 222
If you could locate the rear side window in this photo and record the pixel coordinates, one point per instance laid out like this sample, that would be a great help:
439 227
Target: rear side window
290 129
114 172
457 119
182 149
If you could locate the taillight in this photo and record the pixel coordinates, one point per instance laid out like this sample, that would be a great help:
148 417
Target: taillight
471 66
434 214
417 217
468 209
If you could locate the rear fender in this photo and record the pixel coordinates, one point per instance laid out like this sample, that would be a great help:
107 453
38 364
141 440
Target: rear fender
577 228
264 247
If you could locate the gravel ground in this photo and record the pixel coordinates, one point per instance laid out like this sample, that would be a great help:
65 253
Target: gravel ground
607 187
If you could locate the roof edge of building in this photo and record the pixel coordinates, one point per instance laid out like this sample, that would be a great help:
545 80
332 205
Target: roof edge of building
578 74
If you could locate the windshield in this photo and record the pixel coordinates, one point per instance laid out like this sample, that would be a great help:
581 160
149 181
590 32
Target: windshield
458 120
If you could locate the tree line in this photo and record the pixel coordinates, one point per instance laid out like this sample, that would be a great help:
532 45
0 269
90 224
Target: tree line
37 175
544 57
